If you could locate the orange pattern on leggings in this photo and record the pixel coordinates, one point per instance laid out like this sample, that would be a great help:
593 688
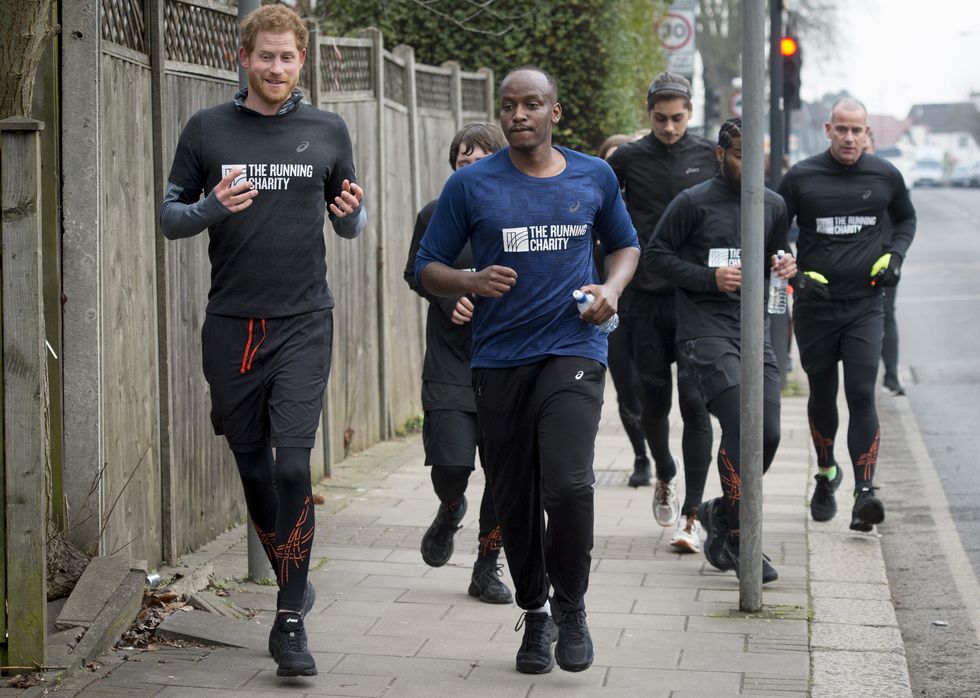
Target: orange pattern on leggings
492 542
731 483
268 540
823 444
869 460
296 549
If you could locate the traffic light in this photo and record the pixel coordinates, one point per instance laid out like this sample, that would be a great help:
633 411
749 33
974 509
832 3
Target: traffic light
789 47
712 106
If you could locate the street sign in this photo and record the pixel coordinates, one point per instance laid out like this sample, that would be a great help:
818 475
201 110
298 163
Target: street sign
735 103
676 34
681 63
676 30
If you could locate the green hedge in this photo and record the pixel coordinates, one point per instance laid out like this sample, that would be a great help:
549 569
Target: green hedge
602 52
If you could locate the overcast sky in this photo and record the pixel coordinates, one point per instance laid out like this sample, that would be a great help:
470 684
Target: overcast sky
895 53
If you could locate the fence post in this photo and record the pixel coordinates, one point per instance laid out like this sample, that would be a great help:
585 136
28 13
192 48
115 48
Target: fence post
455 92
490 89
25 392
407 53
313 65
81 221
164 430
380 218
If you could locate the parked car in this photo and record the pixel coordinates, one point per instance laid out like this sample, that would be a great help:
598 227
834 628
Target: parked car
927 173
964 175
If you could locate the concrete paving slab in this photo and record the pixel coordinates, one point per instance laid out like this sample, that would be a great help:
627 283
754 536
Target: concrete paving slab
855 638
872 612
395 610
662 682
425 667
412 687
212 629
327 639
869 674
95 589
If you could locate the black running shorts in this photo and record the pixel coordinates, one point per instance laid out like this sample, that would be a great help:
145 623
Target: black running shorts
267 377
839 330
716 363
450 438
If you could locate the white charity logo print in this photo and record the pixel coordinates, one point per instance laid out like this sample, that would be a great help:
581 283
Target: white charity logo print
516 240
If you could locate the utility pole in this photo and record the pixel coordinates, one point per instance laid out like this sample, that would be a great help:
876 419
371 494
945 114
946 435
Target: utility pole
777 131
752 293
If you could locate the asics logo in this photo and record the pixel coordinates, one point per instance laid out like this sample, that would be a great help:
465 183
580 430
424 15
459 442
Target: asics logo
574 207
692 170
866 194
302 146
578 376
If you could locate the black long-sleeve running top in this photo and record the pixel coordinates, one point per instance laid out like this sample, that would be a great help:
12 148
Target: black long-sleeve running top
447 345
700 231
651 174
840 210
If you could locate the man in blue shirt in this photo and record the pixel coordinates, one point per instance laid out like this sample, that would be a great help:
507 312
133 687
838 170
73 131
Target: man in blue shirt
529 213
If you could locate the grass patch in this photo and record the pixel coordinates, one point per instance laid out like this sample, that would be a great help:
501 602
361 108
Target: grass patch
777 612
314 566
412 425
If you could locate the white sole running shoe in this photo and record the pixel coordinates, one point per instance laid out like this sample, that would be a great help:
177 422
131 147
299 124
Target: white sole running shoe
687 538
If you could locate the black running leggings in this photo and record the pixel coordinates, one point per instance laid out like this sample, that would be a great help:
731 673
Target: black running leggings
862 428
889 343
449 483
279 496
727 408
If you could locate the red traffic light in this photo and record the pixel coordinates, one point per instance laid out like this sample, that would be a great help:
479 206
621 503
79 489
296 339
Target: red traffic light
788 46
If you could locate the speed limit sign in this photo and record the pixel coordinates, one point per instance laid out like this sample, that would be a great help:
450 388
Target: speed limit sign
676 30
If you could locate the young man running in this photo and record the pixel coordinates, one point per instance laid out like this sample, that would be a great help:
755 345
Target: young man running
529 212
266 164
697 246
450 432
652 171
840 199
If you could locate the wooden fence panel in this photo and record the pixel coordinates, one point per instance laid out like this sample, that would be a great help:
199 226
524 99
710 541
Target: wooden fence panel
354 413
131 478
405 341
206 489
436 131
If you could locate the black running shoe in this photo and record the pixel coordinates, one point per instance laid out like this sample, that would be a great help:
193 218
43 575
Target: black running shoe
716 531
574 651
731 554
309 598
486 585
823 505
437 543
534 656
290 648
895 388
868 510
641 472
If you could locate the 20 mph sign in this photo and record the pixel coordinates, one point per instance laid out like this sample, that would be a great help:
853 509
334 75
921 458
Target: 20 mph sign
676 34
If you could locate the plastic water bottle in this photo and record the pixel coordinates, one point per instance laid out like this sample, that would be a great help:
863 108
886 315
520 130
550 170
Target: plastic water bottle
777 291
584 301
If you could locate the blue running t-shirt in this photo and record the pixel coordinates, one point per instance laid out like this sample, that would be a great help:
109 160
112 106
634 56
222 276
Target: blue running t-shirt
541 227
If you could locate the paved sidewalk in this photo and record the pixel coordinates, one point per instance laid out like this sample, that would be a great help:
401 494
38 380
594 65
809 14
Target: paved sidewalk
664 624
